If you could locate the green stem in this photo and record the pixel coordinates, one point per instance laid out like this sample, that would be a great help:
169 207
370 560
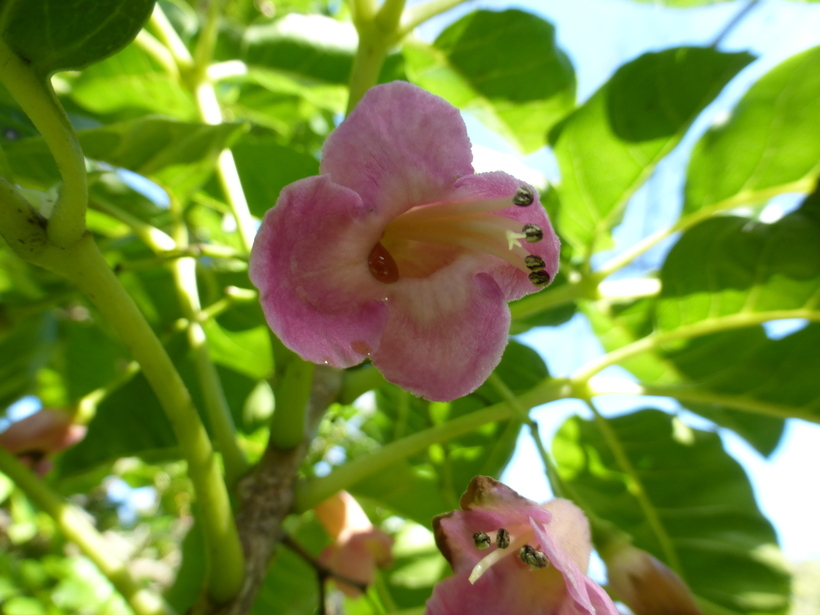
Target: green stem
524 416
226 171
75 526
159 241
600 385
85 265
169 37
34 94
216 405
747 196
288 424
377 33
540 302
158 52
309 493
204 51
367 65
714 325
211 113
636 488
356 382
87 405
418 14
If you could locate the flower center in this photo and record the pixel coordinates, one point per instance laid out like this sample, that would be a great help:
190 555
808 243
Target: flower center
508 543
452 227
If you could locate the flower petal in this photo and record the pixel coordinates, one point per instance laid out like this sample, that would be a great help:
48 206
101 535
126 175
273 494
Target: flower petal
583 595
445 334
309 262
498 184
400 147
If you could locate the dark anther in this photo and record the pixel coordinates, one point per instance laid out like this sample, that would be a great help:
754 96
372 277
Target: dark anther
534 558
539 278
535 263
523 196
503 538
533 233
481 540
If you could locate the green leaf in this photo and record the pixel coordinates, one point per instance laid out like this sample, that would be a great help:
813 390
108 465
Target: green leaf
520 87
778 376
266 167
131 82
25 349
769 144
550 317
728 265
610 146
314 47
291 586
57 35
700 495
246 351
617 326
129 422
431 483
178 155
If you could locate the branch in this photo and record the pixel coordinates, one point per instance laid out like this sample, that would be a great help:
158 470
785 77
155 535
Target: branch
34 94
602 385
266 497
309 493
705 327
86 267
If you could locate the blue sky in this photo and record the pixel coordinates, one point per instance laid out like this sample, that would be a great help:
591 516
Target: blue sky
599 36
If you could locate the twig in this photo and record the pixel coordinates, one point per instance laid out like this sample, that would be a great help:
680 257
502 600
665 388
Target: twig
324 572
727 29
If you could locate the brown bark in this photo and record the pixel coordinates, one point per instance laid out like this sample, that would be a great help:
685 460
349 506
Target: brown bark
266 497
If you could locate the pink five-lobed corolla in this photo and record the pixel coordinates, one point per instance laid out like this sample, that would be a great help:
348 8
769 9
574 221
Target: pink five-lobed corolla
399 252
38 436
510 555
358 547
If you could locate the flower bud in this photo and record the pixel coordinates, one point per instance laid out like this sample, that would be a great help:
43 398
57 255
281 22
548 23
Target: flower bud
39 436
358 547
646 585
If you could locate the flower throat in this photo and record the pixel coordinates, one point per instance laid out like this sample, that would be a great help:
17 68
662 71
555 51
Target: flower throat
466 225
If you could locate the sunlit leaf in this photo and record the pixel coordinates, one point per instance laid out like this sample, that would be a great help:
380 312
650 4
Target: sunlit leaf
520 86
767 146
178 155
609 147
700 496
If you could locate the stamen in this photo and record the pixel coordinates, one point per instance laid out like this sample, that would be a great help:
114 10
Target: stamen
481 540
539 278
512 239
533 233
523 196
502 539
536 559
437 211
535 263
496 555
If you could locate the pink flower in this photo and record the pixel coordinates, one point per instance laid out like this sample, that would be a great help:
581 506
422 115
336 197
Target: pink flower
510 555
36 437
357 547
399 252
